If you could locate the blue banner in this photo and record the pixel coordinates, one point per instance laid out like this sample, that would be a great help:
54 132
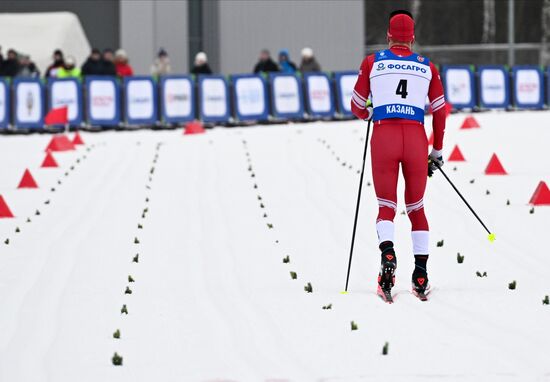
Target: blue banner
345 82
250 95
103 101
140 100
214 98
177 98
494 86
29 103
5 106
287 100
528 87
66 92
320 100
458 81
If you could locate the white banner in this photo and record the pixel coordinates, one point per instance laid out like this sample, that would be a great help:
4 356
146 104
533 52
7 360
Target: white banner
527 83
29 102
318 88
3 91
250 96
493 86
65 93
347 83
177 97
140 99
214 97
102 100
459 86
286 94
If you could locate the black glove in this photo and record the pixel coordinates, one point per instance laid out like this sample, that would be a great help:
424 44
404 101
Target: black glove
435 160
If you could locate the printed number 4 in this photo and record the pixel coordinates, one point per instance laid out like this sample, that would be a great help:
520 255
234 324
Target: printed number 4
402 89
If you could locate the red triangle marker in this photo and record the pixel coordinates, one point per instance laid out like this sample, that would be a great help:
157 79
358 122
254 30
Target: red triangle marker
77 139
27 181
60 142
5 211
469 123
456 155
541 196
495 167
194 127
431 139
49 161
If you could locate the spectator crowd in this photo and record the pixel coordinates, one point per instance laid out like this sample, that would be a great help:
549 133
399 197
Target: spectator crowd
116 63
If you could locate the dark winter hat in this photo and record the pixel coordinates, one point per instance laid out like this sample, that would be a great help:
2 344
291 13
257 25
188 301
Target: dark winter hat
96 51
401 26
162 53
58 52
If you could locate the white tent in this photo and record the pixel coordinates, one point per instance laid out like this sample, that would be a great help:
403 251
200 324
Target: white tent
39 34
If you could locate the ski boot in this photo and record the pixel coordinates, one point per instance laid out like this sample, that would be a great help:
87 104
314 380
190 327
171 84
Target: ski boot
386 277
420 283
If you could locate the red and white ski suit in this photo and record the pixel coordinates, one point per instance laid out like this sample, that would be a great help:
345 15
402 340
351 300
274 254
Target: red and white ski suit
398 141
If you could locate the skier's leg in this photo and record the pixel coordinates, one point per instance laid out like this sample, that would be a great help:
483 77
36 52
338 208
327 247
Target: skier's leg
415 173
386 151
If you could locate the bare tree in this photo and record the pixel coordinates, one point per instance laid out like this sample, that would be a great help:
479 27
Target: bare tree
489 22
545 49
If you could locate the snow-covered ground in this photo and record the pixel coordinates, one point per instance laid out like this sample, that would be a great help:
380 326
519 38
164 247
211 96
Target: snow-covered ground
212 299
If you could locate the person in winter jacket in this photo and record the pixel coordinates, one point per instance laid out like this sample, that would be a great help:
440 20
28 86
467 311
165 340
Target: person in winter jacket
285 64
108 62
201 64
93 65
58 62
161 65
265 63
69 70
123 68
10 66
309 63
27 68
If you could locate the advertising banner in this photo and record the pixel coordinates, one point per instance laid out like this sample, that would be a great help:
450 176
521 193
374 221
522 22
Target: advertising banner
29 103
345 82
286 96
250 97
528 87
458 82
140 100
494 89
214 99
103 101
319 95
177 99
66 92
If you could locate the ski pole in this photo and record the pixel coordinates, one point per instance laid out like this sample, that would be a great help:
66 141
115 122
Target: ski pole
357 207
491 235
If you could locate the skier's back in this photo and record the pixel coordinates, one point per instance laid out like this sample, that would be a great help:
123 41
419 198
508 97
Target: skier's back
398 82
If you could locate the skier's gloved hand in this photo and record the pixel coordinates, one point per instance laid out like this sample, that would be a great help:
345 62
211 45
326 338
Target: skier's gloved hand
435 160
369 109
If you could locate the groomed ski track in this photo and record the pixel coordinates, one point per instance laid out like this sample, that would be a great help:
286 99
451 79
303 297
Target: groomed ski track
212 299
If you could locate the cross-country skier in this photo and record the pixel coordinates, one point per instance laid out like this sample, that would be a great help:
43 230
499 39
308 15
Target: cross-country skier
397 82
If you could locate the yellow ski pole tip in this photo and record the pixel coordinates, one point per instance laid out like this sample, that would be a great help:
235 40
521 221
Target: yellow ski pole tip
492 237
344 292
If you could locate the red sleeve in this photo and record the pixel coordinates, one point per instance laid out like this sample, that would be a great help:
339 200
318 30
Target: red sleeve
361 91
437 103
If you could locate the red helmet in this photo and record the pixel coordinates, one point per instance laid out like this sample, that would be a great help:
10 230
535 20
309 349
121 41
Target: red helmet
401 26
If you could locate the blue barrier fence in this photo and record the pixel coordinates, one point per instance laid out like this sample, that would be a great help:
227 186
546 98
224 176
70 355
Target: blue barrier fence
142 100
